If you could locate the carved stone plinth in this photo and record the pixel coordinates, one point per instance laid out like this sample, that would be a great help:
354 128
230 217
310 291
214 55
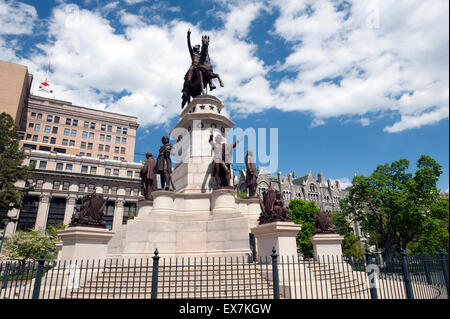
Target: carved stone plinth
281 235
81 243
327 245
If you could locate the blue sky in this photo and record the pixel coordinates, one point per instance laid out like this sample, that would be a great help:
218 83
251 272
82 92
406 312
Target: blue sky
348 84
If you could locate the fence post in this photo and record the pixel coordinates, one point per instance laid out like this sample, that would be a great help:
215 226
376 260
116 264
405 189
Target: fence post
38 279
409 291
276 281
427 269
371 275
444 270
154 292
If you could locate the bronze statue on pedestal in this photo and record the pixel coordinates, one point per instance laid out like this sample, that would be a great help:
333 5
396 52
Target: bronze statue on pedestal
164 164
90 213
323 224
272 208
221 164
148 177
251 174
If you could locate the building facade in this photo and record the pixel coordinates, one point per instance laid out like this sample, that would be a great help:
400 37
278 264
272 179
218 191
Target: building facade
61 180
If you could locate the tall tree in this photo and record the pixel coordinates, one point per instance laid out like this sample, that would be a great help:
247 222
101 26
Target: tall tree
11 168
351 246
393 202
302 212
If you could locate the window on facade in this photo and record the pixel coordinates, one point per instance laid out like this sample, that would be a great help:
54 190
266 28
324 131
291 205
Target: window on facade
66 186
75 123
82 187
72 143
86 124
56 185
28 136
59 150
127 191
82 153
122 150
53 140
74 133
124 140
92 125
45 148
30 125
100 147
108 138
33 114
56 211
35 138
49 118
68 167
114 190
103 127
117 139
124 131
107 171
39 183
91 188
93 170
28 213
102 137
59 166
116 158
66 132
116 149
68 121
39 116
91 135
84 169
89 154
129 173
33 163
56 119
83 145
84 134
107 147
37 127
115 172
89 146
42 164
105 189
109 128
122 158
55 130
118 131
47 129
106 157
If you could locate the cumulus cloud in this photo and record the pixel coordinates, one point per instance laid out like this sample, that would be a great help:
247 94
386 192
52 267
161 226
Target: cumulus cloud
16 18
344 182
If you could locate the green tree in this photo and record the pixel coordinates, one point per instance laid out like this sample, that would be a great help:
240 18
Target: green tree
351 246
11 168
29 245
302 212
393 202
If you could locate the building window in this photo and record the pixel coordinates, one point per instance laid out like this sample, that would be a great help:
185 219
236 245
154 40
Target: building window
49 118
68 121
84 134
28 213
39 183
81 153
124 140
33 114
45 139
124 131
42 165
59 166
30 125
72 143
106 156
75 123
88 154
107 148
108 138
84 169
122 158
53 140
83 145
109 128
66 186
117 139
32 163
93 170
89 146
91 188
56 185
122 150
45 148
115 172
114 190
55 130
65 141
100 147
28 136
86 124
47 129
92 125
56 211
107 171
68 167
105 189
116 149
103 127
82 187
116 158
39 116
56 119
127 191
66 132
129 173
102 137
59 150
91 135
35 138
74 133
37 127
118 131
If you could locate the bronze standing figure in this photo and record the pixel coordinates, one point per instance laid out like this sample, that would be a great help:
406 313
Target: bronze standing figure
148 177
221 163
251 174
164 164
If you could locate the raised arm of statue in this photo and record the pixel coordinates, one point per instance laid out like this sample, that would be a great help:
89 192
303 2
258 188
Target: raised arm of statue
191 52
237 142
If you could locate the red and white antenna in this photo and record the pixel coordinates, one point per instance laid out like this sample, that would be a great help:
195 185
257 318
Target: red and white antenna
45 86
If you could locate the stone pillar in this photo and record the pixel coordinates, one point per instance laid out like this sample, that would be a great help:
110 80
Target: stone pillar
223 201
281 235
42 213
70 207
118 215
13 214
327 245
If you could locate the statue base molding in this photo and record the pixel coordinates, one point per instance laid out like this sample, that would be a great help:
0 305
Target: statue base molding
281 235
327 245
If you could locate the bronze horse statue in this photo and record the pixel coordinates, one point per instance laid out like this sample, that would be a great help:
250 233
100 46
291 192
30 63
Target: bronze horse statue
200 73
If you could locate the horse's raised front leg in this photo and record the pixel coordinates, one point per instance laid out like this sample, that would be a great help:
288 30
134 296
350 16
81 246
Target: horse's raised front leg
220 80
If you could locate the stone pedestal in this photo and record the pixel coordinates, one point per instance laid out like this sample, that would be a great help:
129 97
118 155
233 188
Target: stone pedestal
223 201
327 245
81 243
281 235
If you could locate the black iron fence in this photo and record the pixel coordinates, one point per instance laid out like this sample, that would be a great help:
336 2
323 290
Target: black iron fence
327 277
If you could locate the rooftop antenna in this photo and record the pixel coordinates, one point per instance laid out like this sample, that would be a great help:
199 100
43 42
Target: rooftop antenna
45 86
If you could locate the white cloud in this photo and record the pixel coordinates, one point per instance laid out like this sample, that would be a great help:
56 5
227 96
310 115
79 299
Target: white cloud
344 182
16 17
